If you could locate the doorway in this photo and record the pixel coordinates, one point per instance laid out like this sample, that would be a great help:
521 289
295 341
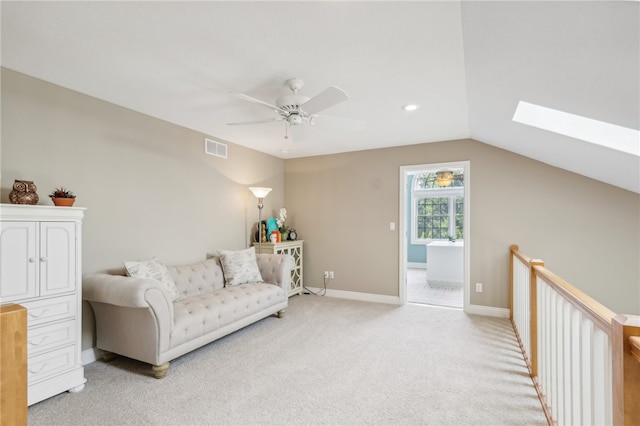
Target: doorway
434 234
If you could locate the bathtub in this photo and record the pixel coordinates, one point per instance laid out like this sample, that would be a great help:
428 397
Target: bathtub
445 261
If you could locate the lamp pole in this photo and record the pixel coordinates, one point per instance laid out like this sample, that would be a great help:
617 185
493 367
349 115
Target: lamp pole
260 205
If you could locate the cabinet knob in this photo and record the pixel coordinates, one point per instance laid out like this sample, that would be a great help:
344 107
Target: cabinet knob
43 259
31 260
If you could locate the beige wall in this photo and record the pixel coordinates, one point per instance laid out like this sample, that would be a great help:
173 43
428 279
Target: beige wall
148 186
586 231
150 190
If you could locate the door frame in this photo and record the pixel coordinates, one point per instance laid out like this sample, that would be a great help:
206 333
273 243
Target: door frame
404 238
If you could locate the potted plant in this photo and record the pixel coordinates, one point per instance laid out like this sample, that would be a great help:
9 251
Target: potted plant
62 197
282 227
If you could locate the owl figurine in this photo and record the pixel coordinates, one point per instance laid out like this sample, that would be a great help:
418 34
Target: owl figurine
24 192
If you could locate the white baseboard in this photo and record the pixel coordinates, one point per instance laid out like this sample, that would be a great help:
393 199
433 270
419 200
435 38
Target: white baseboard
488 311
90 355
416 265
355 295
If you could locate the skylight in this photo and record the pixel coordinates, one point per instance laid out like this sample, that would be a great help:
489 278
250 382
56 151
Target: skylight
578 127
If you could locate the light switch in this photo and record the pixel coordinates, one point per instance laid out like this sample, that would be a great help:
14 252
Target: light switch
392 226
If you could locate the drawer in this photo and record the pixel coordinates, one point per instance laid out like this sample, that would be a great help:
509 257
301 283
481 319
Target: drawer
50 336
50 363
47 310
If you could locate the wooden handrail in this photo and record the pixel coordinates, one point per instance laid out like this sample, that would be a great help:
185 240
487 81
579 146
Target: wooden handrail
597 312
634 341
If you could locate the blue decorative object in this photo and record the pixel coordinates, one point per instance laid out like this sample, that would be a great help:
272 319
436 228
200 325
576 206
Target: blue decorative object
272 225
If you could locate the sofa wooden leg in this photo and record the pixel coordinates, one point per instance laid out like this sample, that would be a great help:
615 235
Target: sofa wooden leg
160 370
108 356
281 313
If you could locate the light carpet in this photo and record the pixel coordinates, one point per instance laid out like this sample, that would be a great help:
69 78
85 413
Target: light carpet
419 290
328 361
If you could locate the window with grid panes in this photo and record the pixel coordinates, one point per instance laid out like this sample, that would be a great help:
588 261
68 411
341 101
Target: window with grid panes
437 213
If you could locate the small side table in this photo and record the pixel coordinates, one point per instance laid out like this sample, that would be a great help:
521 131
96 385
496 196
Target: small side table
293 248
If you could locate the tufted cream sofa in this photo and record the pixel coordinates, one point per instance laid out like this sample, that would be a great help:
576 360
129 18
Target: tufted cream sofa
137 318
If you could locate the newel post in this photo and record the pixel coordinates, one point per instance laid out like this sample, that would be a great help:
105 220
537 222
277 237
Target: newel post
533 314
625 370
513 248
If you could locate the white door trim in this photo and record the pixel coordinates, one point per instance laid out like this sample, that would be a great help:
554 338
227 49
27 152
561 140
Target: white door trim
403 237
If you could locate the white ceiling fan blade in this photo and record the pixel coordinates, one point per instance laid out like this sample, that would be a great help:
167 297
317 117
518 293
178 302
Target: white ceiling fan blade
245 123
257 101
339 123
324 100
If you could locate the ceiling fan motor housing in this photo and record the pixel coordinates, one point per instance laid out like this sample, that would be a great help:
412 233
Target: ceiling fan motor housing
291 108
291 103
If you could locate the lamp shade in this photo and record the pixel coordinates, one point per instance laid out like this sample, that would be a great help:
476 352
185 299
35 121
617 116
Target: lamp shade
260 192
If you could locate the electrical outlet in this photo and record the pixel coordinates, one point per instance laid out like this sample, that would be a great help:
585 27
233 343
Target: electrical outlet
479 287
326 274
330 274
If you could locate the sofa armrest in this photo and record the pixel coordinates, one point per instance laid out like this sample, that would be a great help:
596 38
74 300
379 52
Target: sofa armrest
128 292
276 269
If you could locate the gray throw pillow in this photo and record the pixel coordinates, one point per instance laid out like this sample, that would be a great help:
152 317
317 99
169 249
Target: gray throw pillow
153 268
240 266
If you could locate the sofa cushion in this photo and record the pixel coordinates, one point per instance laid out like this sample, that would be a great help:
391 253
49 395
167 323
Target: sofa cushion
197 278
240 266
153 268
202 314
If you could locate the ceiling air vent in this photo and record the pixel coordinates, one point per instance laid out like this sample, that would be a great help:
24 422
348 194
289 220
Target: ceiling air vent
212 147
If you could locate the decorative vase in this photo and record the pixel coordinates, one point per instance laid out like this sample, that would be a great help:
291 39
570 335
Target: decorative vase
285 235
24 192
63 202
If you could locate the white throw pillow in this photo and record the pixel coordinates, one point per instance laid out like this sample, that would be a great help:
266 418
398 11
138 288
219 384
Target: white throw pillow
240 266
153 268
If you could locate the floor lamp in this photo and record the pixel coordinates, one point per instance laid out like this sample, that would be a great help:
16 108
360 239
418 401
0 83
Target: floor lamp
260 193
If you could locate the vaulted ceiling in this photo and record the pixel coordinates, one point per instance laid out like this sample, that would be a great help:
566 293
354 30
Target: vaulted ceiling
467 64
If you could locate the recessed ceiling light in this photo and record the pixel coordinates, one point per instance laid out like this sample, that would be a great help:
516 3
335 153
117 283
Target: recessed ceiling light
285 151
411 107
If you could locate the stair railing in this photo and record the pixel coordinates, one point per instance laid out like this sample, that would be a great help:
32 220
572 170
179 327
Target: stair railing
582 357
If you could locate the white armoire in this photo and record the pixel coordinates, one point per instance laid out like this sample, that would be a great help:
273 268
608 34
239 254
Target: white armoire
41 269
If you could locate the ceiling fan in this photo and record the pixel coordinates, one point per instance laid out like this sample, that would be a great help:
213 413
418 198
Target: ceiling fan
297 110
